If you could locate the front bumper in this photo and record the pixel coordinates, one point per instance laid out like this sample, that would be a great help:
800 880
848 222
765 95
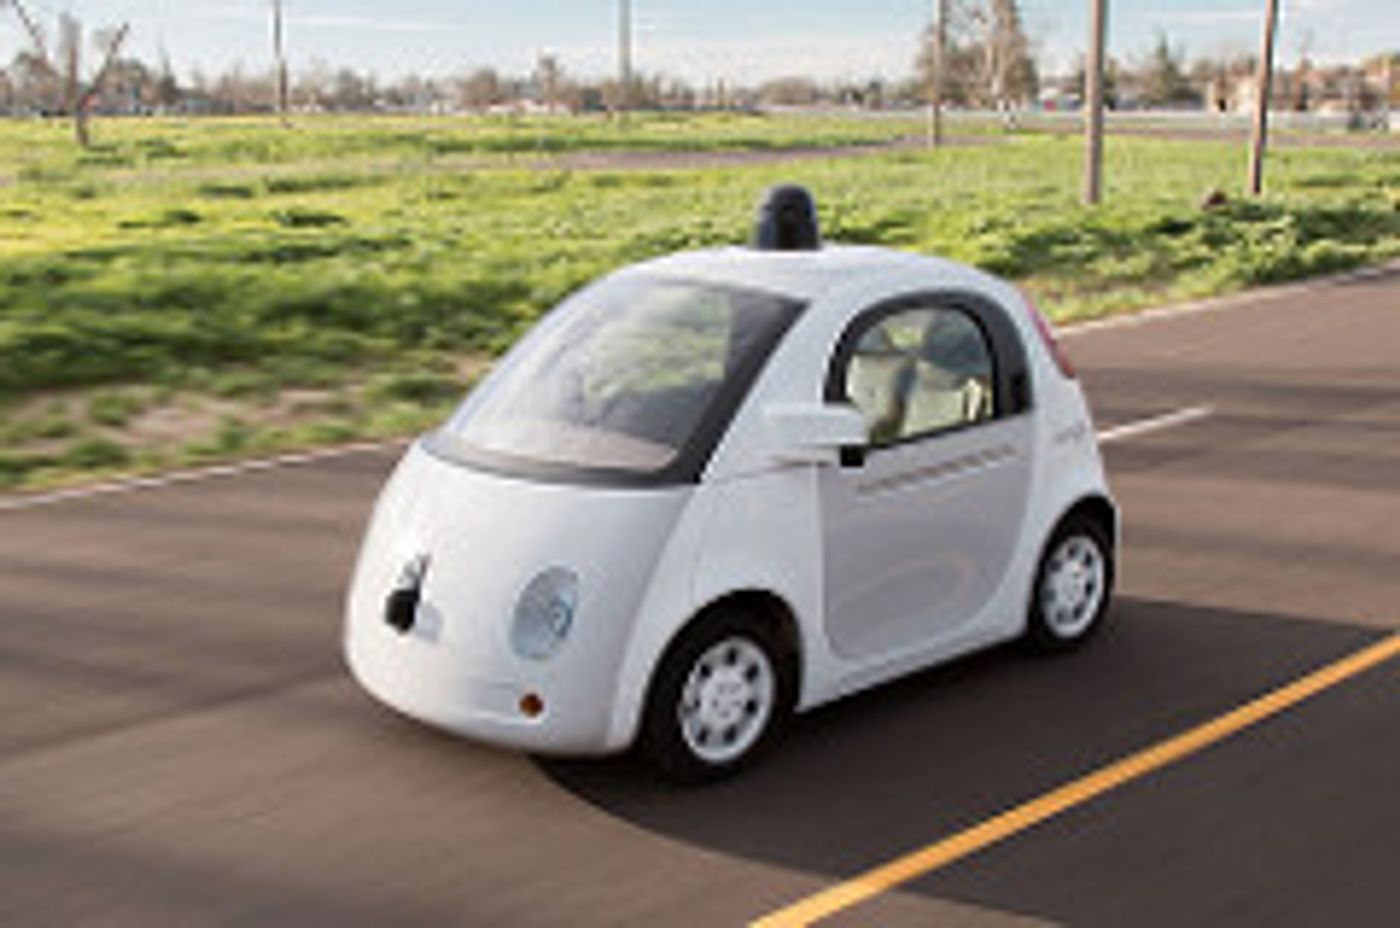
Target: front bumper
437 684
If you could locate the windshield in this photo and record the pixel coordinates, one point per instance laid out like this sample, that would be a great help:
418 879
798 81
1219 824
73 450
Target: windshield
625 376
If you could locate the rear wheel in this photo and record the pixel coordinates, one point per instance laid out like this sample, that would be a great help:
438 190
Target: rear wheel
1072 585
719 697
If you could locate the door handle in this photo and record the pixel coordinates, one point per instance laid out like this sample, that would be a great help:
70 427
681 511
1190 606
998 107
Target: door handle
943 470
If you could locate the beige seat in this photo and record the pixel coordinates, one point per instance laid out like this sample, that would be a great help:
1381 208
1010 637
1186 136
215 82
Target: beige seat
874 382
941 399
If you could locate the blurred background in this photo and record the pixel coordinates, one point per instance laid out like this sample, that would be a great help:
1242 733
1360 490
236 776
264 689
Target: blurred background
231 228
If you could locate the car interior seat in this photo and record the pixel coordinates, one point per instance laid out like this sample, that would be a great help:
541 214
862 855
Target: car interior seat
951 378
874 383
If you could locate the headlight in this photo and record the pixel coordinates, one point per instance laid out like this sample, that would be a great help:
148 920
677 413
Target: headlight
544 613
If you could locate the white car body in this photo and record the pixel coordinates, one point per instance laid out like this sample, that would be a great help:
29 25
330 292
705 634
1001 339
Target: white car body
926 552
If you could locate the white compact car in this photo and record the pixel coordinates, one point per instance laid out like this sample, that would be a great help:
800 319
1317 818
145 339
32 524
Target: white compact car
718 487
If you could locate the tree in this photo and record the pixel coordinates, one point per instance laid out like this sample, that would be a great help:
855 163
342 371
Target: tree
314 85
789 91
549 82
352 91
130 85
481 89
676 95
237 92
35 84
961 72
1010 70
988 59
1112 75
167 90
76 96
1162 78
641 94
1300 95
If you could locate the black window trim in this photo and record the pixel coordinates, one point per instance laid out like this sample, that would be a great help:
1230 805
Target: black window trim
1011 384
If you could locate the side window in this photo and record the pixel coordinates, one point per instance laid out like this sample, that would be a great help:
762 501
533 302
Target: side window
920 371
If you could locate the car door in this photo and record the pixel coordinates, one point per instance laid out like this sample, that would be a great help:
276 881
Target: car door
921 525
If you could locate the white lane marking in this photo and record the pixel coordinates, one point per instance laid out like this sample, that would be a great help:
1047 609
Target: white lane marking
1154 424
193 476
1117 433
1231 301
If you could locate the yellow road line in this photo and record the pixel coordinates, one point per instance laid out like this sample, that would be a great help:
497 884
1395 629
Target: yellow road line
918 863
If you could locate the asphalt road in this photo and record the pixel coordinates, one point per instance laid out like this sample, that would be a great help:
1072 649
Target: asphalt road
179 744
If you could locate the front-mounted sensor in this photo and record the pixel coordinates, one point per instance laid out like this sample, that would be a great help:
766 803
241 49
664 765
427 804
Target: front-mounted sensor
544 613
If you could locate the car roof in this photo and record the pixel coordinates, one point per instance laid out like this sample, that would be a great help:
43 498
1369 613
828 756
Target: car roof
802 275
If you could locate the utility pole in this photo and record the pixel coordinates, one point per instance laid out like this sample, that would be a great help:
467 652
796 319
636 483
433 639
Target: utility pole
938 73
1093 102
624 57
1388 87
1264 79
279 54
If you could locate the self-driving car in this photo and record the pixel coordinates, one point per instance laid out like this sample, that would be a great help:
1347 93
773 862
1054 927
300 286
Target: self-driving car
716 488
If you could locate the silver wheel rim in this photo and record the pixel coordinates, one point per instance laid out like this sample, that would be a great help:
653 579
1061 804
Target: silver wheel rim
727 700
1072 589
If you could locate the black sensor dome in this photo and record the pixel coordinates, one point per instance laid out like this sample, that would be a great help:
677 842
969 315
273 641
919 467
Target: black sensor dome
787 220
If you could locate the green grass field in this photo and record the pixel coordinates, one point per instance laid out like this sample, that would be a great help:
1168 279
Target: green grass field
197 290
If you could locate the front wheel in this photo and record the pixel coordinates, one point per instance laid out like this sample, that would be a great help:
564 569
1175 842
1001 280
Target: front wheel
719 696
1072 586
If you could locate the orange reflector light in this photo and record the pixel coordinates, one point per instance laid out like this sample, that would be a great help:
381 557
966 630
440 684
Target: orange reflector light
531 705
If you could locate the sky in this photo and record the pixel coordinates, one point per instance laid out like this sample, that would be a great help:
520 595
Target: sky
698 40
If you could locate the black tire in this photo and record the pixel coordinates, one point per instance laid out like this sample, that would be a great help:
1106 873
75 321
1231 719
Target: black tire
663 740
1048 628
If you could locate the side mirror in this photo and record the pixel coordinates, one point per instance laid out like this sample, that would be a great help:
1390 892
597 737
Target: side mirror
815 433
